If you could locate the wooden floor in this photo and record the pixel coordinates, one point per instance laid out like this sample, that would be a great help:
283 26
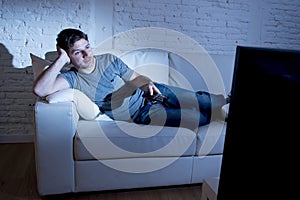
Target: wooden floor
18 181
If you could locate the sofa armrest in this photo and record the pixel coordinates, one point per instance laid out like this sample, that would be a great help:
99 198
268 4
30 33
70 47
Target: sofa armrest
55 127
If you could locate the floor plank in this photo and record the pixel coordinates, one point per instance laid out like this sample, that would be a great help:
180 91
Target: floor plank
18 181
17 171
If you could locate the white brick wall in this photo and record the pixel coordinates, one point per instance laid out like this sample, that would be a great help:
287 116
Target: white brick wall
218 25
29 26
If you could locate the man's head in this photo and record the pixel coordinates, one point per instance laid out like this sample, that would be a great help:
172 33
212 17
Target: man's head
67 37
77 46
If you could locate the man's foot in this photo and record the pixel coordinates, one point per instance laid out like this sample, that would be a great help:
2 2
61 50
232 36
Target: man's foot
220 105
225 111
228 98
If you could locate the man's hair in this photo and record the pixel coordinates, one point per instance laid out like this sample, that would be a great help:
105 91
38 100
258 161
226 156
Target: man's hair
67 37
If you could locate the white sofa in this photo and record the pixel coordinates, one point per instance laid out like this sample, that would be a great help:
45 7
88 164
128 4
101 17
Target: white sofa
78 155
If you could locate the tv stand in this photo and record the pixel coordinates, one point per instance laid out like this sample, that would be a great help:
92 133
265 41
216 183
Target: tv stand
210 188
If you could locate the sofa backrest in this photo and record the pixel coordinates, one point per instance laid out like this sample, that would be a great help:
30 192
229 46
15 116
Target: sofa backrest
149 62
189 71
184 74
201 71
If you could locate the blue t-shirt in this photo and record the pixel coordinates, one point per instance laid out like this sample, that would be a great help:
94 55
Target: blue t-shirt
107 87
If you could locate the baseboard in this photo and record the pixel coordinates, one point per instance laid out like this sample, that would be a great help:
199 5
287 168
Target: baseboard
16 138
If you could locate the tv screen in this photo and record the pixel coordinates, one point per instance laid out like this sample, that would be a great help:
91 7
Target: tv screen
261 144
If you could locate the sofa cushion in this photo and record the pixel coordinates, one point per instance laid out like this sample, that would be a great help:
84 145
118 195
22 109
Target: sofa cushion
153 63
184 74
38 65
116 139
196 72
210 138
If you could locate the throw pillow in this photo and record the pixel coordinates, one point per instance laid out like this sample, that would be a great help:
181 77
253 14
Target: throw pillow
86 108
38 65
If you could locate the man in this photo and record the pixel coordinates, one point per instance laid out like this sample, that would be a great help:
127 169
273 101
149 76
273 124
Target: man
120 91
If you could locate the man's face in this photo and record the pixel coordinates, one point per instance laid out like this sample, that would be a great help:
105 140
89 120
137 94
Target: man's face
81 54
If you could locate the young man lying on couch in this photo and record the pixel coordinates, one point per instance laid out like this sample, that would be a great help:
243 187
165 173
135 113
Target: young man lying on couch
120 92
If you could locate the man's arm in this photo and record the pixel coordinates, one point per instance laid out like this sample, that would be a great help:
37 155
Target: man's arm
144 83
49 82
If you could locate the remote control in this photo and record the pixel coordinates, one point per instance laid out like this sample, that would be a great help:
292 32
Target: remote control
155 97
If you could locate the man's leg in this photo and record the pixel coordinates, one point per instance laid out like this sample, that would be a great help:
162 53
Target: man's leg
183 108
159 114
186 99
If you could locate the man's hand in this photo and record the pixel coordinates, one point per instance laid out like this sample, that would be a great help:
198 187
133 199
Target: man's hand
154 98
144 83
152 93
151 88
63 55
48 81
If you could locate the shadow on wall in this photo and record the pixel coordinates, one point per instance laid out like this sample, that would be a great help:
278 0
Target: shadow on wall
16 97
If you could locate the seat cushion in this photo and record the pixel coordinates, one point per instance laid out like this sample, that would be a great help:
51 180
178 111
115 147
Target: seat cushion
210 138
104 139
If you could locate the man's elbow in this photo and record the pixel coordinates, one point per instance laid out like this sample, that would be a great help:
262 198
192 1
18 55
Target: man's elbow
39 91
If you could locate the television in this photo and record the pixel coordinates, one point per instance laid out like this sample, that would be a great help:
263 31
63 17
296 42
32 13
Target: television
260 156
